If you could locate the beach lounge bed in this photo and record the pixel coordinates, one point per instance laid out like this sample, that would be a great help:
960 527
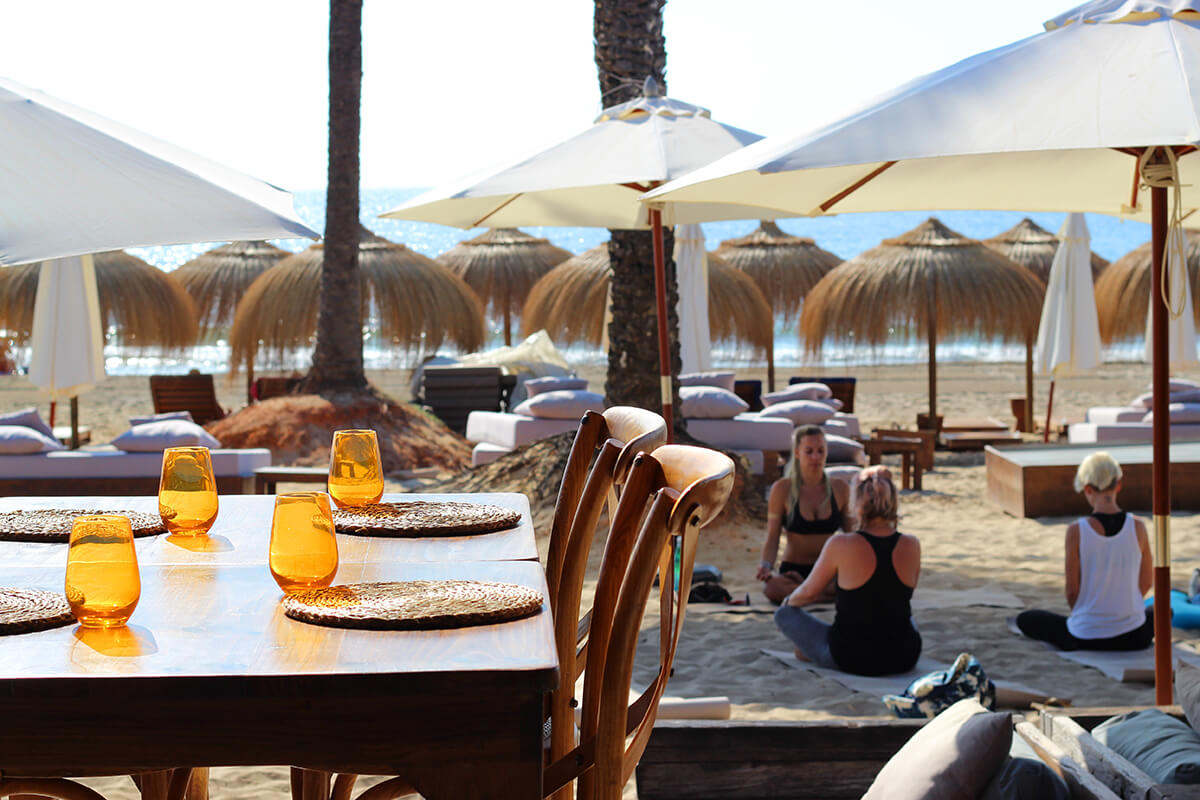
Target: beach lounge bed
105 470
498 432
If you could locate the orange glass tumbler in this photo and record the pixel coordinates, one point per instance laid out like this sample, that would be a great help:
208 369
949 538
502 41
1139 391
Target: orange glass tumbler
102 582
303 545
187 492
355 471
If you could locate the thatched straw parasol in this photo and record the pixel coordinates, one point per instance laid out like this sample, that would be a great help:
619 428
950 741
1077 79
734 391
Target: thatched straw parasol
1123 291
140 305
1033 247
502 265
569 302
932 282
216 280
419 303
785 267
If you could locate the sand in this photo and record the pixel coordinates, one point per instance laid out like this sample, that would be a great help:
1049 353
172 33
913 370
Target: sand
966 543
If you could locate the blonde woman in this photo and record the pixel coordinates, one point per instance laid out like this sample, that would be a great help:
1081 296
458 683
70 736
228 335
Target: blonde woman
1108 572
809 506
875 569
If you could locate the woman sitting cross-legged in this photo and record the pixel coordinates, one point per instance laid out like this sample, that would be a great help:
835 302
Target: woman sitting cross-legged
1108 572
807 507
875 569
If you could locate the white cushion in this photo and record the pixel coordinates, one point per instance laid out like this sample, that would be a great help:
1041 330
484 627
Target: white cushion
1184 396
552 383
1110 414
1141 432
721 379
841 450
486 453
709 402
157 436
561 404
843 425
800 412
29 418
20 440
104 461
743 432
184 415
1177 413
798 391
514 430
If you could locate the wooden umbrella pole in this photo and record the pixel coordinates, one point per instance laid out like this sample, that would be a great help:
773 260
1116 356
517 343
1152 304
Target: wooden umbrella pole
1161 453
660 296
1049 408
1027 422
933 354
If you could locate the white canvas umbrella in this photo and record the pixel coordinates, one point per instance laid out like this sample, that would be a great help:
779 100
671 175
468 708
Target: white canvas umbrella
1098 113
1068 340
1177 297
691 269
68 338
595 178
75 182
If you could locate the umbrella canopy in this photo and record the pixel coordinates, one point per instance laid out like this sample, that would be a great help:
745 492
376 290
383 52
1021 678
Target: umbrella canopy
569 303
140 305
1068 340
1123 290
75 182
932 283
1097 114
418 302
691 265
67 338
501 265
216 280
1032 246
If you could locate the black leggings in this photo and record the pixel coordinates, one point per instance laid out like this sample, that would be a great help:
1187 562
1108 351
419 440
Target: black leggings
1046 626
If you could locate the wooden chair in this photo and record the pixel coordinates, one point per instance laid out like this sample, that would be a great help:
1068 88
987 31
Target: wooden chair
684 488
194 393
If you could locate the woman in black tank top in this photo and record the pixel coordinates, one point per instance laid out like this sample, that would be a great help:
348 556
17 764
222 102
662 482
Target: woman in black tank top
876 569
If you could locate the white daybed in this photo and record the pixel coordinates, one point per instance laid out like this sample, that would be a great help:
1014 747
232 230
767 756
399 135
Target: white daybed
497 432
1100 433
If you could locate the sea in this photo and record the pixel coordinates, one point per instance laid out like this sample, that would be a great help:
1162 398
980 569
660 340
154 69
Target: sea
846 236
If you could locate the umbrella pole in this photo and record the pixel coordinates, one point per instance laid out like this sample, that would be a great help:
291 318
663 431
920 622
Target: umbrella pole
1049 407
933 356
53 406
660 296
74 422
1027 422
1161 453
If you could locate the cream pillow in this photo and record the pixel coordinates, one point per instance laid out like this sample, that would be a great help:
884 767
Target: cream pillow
187 415
798 391
800 412
709 402
154 437
20 440
840 450
553 383
30 418
721 379
561 404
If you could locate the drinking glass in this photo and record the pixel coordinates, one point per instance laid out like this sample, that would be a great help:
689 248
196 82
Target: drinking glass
102 583
303 546
355 472
187 494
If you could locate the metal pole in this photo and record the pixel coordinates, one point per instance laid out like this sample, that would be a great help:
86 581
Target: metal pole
1161 474
664 346
1049 408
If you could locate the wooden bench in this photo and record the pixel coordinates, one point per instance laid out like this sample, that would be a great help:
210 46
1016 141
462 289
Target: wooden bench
910 452
194 393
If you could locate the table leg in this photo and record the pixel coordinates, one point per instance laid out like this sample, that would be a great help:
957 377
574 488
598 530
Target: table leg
905 467
917 472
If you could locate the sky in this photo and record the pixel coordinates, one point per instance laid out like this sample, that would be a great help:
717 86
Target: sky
454 86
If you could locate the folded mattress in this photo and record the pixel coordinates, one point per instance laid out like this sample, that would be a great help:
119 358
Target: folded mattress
486 453
744 432
513 430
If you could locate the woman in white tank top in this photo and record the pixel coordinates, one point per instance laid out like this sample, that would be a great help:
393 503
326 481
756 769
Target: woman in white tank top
1108 572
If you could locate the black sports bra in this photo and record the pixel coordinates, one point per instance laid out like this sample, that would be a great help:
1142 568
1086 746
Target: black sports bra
796 523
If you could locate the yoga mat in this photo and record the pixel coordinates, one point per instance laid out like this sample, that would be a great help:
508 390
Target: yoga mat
990 595
1127 666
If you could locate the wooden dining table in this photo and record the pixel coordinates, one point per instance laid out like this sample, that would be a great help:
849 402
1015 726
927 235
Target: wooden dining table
210 672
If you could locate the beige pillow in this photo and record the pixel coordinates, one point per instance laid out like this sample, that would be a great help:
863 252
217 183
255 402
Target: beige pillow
800 412
709 402
553 383
154 437
20 440
1178 413
721 379
954 756
30 418
561 404
841 450
798 391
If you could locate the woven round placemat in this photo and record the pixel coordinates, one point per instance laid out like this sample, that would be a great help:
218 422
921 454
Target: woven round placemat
413 605
29 610
54 524
424 518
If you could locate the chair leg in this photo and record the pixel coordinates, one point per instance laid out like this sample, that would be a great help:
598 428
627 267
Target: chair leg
310 784
56 788
343 785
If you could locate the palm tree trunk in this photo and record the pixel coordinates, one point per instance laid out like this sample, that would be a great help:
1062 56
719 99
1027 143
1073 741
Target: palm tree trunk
338 356
630 47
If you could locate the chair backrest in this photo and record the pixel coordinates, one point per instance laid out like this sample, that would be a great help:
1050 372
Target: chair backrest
194 393
841 387
453 392
669 495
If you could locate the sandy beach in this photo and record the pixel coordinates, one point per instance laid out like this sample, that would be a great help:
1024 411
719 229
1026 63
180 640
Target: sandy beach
966 543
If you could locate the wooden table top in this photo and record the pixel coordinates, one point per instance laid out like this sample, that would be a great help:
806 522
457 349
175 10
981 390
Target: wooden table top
242 533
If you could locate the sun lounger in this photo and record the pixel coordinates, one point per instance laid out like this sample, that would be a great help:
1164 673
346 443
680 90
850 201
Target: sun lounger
105 470
1098 433
1107 415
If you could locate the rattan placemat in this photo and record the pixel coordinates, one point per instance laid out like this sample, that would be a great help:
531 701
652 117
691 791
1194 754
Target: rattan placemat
424 518
29 610
54 524
413 605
